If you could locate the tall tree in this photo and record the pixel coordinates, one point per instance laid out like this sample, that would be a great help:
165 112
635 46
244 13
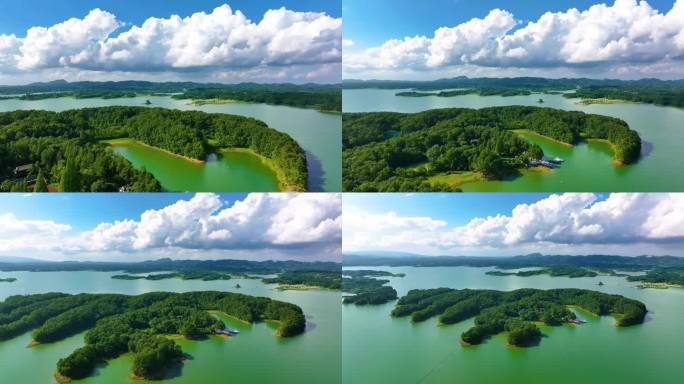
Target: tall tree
71 179
41 183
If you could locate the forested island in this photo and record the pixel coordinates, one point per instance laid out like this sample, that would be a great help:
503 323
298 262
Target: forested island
652 91
366 289
118 324
387 151
322 97
183 275
514 312
561 270
303 279
505 92
660 278
41 150
8 279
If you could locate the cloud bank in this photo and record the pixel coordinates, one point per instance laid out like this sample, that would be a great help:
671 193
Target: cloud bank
223 40
560 222
627 35
269 226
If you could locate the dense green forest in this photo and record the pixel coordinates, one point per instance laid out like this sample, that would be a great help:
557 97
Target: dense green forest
183 275
560 270
665 95
674 276
387 151
366 289
322 279
64 148
118 324
230 266
324 97
513 311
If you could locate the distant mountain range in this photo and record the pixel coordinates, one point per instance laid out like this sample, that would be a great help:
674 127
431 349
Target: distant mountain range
148 86
531 83
165 264
509 262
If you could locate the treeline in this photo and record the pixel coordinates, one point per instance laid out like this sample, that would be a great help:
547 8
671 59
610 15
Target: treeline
560 270
660 94
505 92
84 94
674 276
385 151
118 324
328 99
183 275
65 147
322 279
8 279
367 290
514 311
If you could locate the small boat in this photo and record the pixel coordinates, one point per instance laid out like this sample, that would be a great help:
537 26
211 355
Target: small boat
227 332
577 321
556 160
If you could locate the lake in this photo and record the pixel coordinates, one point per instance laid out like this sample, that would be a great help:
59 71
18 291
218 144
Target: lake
319 134
254 356
587 167
225 172
377 348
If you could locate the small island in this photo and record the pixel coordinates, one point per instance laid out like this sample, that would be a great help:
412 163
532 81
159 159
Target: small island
439 150
183 275
366 289
8 279
660 278
555 271
141 325
514 312
303 280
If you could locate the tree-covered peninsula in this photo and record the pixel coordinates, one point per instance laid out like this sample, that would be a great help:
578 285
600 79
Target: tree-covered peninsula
366 289
117 324
39 149
514 312
386 151
303 279
183 275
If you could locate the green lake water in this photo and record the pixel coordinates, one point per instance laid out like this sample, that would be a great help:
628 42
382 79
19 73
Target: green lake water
254 356
227 172
587 167
377 348
319 134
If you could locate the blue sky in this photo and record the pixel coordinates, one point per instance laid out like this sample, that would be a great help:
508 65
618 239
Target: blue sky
296 41
612 38
371 23
14 17
143 226
506 224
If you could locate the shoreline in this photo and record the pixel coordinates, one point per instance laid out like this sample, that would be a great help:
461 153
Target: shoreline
283 184
115 142
532 133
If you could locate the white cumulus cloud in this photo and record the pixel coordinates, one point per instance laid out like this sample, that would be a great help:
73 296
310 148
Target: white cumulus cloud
222 39
303 226
624 33
569 219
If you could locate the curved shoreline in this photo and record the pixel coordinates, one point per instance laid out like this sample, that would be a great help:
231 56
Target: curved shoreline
283 184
